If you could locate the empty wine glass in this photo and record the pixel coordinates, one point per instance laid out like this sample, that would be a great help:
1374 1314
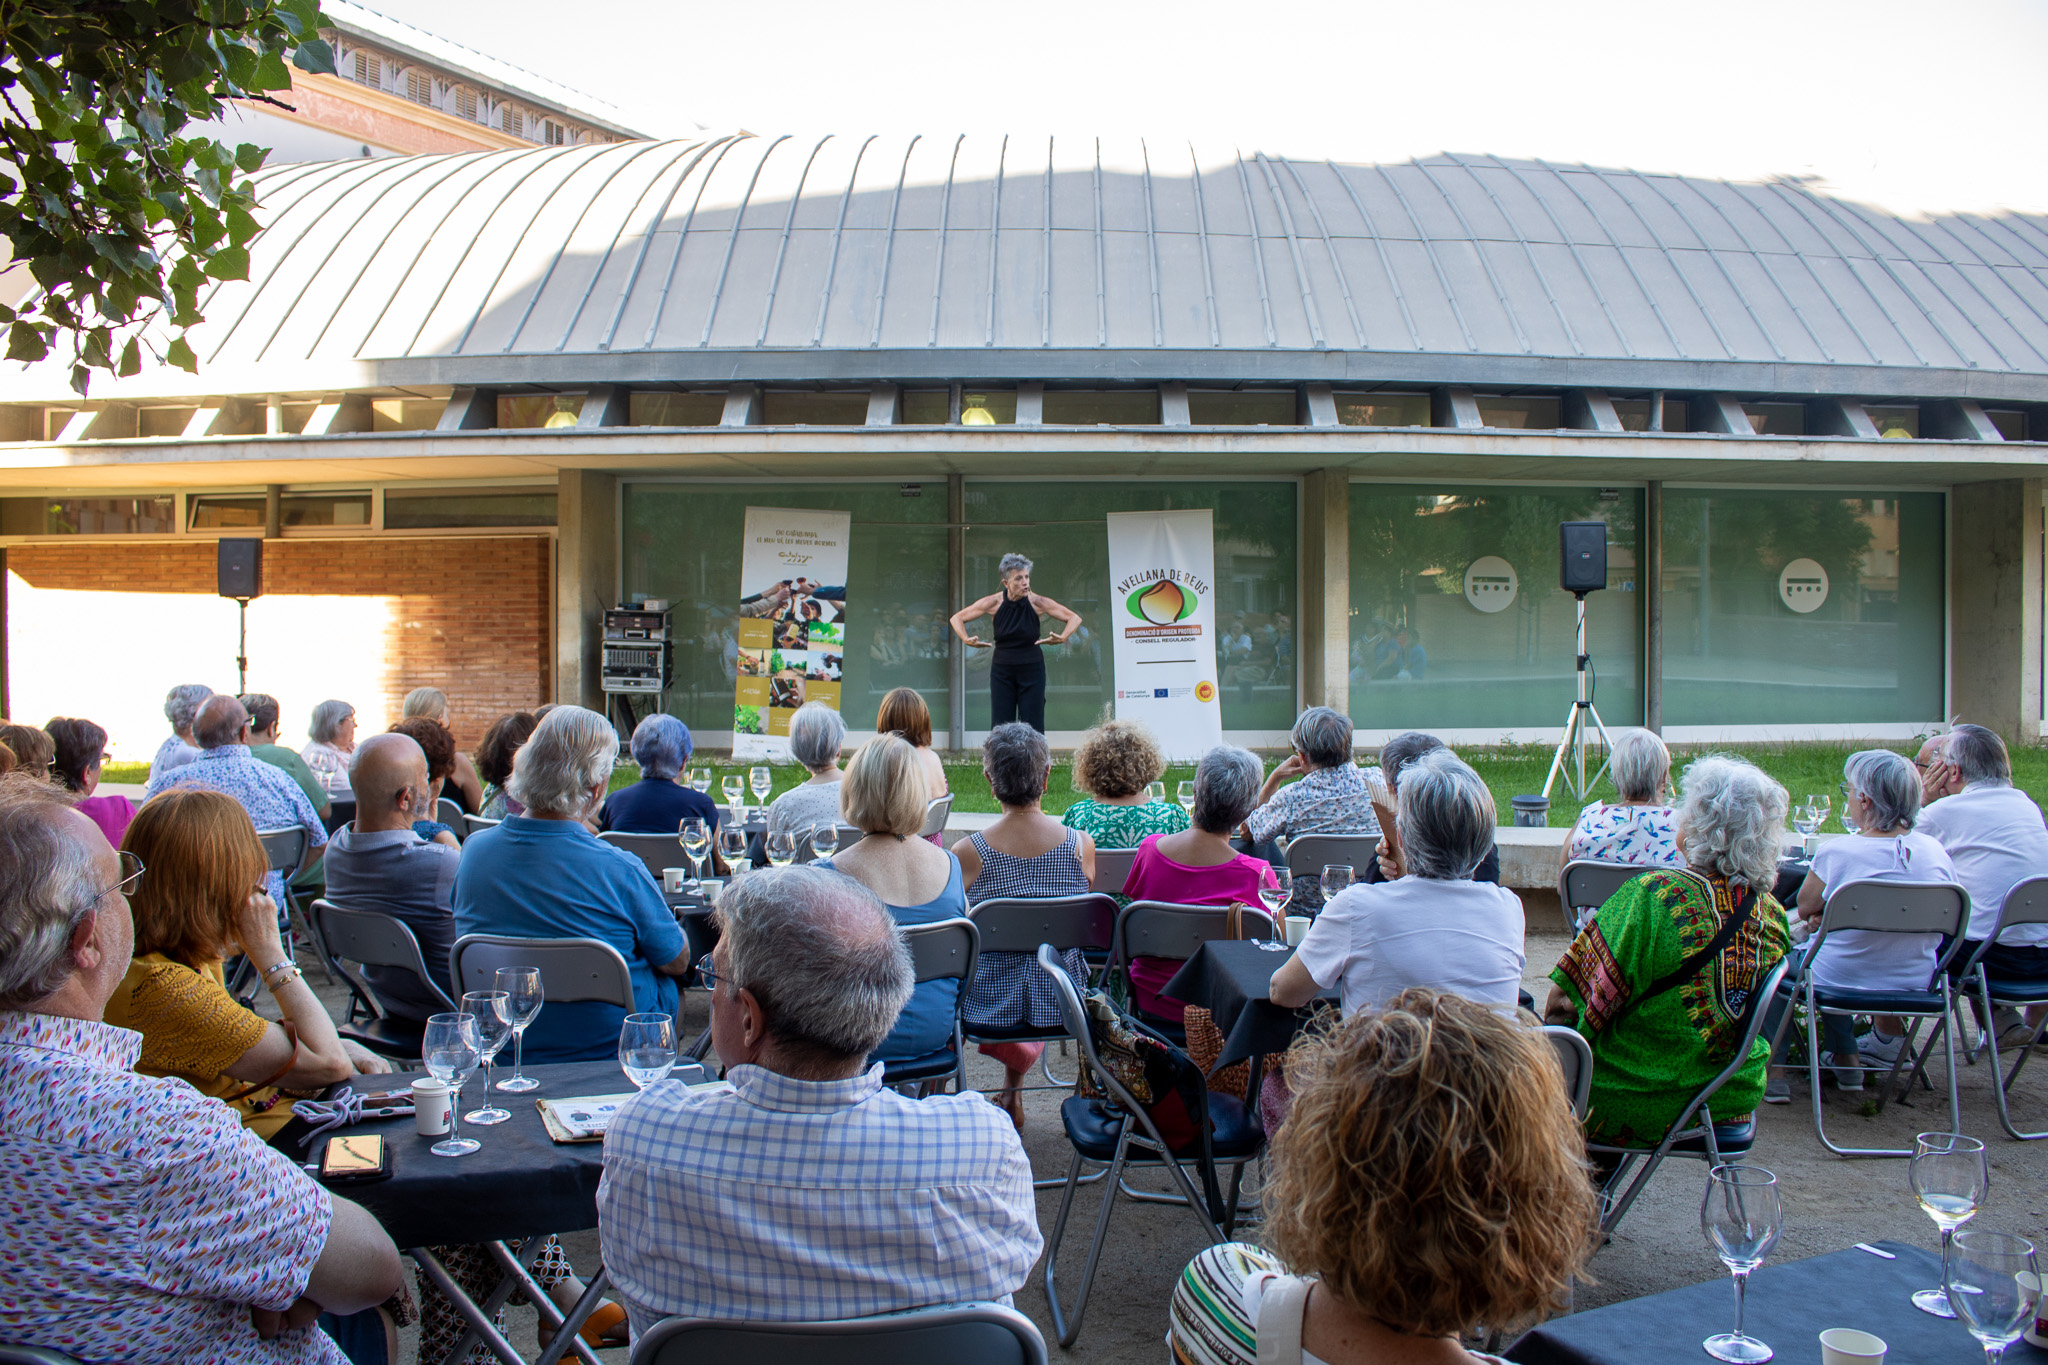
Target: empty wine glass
1336 876
647 1048
732 784
1275 898
1820 806
1949 1176
700 779
780 846
451 1054
493 1031
824 840
760 779
1994 1284
523 1000
1742 1217
1155 791
1804 818
695 837
732 846
1185 794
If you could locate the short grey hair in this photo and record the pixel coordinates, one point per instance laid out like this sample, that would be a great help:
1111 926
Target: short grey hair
1322 736
46 890
1017 761
1227 783
816 733
1731 819
1889 782
572 750
822 956
328 718
661 746
182 703
1979 755
1012 563
1640 765
1447 817
1402 750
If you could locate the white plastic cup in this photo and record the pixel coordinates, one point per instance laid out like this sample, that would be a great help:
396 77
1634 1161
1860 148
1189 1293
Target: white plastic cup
2037 1330
673 878
1297 929
433 1106
1847 1346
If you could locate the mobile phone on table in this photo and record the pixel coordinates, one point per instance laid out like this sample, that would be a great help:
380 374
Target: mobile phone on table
355 1158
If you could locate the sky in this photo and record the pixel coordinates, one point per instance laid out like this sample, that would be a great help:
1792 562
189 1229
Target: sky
1919 107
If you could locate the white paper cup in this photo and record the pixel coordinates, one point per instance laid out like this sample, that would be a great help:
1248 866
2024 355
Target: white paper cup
2037 1330
673 877
1847 1346
1297 929
433 1105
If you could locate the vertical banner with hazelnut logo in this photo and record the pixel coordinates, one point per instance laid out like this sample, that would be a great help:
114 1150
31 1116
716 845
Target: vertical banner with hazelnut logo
1163 623
792 623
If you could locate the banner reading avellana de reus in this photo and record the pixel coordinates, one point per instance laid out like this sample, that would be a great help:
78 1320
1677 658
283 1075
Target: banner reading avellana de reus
792 623
1163 612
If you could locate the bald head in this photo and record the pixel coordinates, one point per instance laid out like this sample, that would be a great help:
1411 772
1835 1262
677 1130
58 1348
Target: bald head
389 776
219 722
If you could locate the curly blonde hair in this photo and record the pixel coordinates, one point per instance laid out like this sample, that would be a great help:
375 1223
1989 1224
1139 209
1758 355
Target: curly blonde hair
1430 1171
1117 758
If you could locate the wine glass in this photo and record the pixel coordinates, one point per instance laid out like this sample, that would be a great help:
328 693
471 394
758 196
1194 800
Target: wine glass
1275 899
522 1004
1820 805
1185 794
1742 1217
647 1048
732 784
824 840
732 846
695 837
1155 791
780 846
1950 1176
451 1054
1994 1284
700 779
760 779
493 1031
1336 876
1804 818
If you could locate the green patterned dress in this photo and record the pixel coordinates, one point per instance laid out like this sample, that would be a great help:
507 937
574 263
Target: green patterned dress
1123 826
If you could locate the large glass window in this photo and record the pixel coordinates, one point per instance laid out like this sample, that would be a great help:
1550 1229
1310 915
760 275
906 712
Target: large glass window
978 407
1531 413
1635 414
1383 409
87 516
682 542
1456 617
1229 408
797 408
1101 407
1795 608
1898 423
1058 525
413 509
659 409
553 410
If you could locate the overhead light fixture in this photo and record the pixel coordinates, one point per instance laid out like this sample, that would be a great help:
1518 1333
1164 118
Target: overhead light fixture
974 412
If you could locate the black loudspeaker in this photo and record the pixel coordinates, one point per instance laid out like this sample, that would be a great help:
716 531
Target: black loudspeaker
241 568
1582 549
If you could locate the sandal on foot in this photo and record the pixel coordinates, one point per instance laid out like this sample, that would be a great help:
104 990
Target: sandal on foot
606 1326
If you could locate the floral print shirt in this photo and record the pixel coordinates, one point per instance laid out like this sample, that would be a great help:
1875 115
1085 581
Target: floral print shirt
1641 836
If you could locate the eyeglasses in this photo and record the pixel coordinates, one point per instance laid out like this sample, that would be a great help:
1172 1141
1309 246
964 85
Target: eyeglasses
131 877
1847 791
706 972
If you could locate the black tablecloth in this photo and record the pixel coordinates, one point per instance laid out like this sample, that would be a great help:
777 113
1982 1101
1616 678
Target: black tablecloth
1230 980
1789 1306
520 1184
1791 876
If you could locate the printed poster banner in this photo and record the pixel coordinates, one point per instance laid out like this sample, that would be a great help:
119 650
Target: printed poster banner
792 623
1163 609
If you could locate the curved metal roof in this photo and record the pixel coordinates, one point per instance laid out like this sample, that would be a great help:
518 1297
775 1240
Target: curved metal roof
765 257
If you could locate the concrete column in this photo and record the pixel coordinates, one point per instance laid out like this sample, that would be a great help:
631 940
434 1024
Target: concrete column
1325 634
1994 603
588 559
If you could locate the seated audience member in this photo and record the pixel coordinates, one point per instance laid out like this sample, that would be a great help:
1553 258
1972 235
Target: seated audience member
927 1201
80 747
1395 755
225 764
1333 795
144 1223
1401 657
1116 762
545 875
1023 852
883 796
1434 926
1639 828
659 802
193 909
494 762
33 749
1654 1049
379 862
264 715
181 708
1428 1181
437 742
464 786
815 734
333 740
903 712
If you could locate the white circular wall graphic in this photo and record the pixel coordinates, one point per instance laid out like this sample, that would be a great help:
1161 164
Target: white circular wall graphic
1490 583
1803 585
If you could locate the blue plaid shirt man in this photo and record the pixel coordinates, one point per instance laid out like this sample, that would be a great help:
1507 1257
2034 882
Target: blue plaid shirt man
270 795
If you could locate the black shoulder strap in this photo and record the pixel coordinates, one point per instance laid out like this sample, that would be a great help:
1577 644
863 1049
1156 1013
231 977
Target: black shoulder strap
1745 899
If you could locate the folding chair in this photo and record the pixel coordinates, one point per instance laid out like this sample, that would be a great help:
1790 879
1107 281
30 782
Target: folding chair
372 938
655 851
1157 929
939 950
1888 908
1705 1140
283 851
284 848
2026 903
1018 924
937 811
570 968
471 824
449 813
1112 869
1309 854
986 1333
1575 1059
1118 1133
1584 886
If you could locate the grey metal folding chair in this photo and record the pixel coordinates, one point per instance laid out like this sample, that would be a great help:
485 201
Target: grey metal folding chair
655 851
1585 885
471 824
1309 854
284 848
1112 869
570 968
2026 903
1575 1059
1159 929
449 813
937 811
985 1333
1018 924
939 950
372 938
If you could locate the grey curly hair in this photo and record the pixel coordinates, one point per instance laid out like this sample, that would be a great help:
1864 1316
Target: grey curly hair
1013 563
1731 817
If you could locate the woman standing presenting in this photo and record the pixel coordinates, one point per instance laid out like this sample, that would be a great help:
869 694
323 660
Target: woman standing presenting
1016 676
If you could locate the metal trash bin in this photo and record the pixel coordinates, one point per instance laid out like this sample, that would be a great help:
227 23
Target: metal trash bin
1531 811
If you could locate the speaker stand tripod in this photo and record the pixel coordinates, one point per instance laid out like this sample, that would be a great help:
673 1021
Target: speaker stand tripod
1573 741
242 650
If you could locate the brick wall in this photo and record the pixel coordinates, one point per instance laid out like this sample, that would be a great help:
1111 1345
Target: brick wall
471 614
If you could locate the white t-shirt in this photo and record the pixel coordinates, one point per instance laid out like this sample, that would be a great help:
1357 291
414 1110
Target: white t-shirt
1859 959
1997 839
1376 940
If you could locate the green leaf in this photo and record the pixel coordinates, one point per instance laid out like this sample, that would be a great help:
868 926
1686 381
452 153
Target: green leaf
26 342
131 360
241 226
229 263
271 73
250 158
243 66
316 57
179 353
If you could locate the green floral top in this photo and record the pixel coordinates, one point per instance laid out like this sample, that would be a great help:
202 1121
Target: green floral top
1123 826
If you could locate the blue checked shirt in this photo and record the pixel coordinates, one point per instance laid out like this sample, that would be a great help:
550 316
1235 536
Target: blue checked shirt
270 795
790 1200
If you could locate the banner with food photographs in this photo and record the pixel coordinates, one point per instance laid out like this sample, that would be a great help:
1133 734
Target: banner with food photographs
1162 603
792 623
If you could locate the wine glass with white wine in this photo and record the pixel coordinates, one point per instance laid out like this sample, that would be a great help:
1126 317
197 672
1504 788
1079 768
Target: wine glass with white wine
824 840
1950 1177
760 779
695 837
523 999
